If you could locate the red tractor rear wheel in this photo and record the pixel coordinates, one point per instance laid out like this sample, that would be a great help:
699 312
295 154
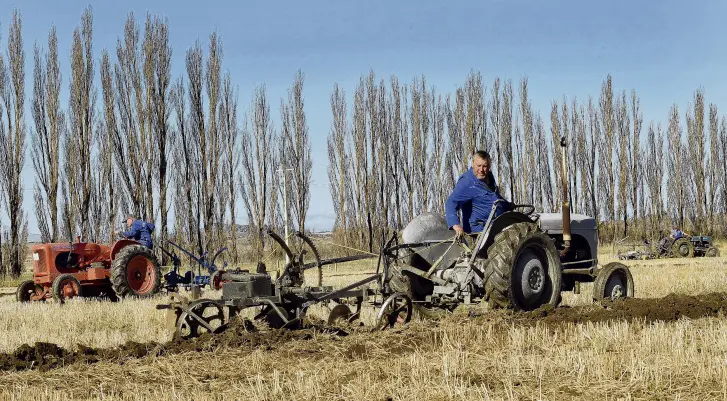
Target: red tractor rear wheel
135 271
25 290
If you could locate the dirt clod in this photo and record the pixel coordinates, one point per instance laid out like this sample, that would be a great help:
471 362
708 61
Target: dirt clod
42 356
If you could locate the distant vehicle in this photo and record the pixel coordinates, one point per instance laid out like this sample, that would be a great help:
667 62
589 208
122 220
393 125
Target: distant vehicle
66 270
704 246
683 247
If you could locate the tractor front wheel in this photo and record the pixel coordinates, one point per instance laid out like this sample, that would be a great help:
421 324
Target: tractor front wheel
522 270
65 287
712 252
136 272
613 282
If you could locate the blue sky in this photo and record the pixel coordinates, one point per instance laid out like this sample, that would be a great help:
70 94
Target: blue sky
664 50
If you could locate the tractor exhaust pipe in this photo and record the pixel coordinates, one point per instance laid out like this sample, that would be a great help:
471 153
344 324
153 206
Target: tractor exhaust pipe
566 203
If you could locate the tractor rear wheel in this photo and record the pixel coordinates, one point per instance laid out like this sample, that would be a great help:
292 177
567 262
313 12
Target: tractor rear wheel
25 290
135 271
522 270
683 248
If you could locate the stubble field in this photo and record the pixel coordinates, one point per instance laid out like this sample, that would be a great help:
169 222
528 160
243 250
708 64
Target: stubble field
668 343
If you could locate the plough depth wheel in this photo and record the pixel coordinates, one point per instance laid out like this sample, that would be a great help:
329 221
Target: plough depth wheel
201 316
397 308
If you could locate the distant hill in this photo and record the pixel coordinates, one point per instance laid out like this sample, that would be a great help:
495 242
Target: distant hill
34 237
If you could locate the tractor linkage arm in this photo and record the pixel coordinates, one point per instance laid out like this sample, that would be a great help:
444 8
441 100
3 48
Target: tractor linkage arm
201 260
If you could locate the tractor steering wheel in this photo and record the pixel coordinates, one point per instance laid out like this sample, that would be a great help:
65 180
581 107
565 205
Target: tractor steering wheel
530 208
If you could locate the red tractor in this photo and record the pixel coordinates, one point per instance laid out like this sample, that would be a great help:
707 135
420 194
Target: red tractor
67 270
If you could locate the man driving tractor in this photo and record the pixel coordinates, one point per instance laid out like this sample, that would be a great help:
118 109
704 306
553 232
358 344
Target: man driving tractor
676 233
139 230
474 194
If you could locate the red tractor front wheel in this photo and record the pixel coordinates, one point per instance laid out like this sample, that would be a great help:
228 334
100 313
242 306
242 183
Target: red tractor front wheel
135 271
65 287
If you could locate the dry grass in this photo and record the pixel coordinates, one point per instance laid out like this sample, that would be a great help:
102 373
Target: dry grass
454 358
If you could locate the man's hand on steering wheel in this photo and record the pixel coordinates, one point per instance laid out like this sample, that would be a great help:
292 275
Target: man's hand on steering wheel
459 231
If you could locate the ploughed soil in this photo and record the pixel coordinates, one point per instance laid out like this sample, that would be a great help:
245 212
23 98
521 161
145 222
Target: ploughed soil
238 334
669 308
242 334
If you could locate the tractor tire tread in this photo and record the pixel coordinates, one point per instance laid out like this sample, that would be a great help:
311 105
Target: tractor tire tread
498 267
119 282
678 244
712 252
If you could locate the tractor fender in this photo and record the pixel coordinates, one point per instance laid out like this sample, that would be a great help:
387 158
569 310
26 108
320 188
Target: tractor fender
500 223
119 245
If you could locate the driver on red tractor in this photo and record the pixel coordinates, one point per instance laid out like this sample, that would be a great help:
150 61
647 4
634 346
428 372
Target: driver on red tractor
474 194
139 230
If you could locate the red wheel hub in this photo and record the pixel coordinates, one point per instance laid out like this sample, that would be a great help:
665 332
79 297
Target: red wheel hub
217 280
69 289
141 275
39 293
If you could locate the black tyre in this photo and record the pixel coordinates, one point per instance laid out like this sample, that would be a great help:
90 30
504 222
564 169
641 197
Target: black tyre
135 271
613 282
712 252
523 270
683 248
24 291
65 287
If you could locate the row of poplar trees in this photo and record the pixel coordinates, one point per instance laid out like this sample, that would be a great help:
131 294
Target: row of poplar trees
402 148
144 142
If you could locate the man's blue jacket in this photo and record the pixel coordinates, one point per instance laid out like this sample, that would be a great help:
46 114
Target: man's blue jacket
141 232
474 198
